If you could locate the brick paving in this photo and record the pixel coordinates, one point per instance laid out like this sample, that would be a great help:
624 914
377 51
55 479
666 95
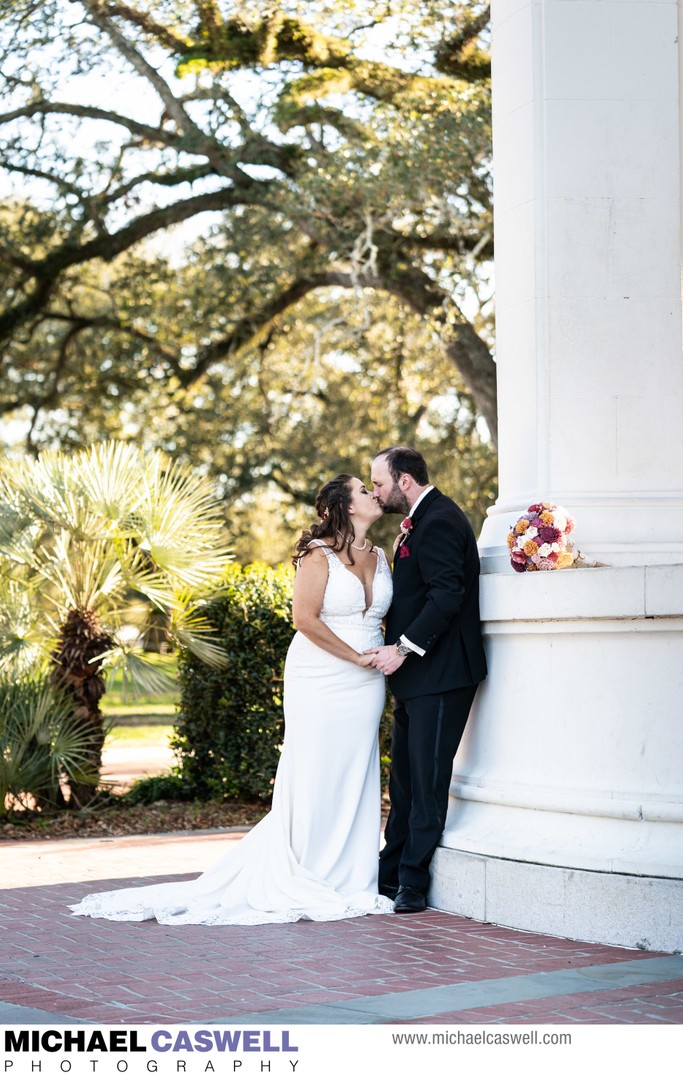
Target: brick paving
397 969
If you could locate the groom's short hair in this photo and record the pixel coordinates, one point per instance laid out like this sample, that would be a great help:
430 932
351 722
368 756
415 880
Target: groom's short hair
403 460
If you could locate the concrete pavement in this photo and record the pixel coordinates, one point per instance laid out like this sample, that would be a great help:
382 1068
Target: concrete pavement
123 765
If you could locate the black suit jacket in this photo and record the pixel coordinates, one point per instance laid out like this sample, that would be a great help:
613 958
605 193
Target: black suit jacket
436 602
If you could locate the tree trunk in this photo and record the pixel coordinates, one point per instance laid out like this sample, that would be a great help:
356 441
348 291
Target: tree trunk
82 639
465 348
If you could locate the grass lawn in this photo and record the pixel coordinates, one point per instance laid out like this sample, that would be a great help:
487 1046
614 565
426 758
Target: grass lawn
139 735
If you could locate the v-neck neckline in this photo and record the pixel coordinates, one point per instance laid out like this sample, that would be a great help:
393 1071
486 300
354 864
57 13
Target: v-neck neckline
360 581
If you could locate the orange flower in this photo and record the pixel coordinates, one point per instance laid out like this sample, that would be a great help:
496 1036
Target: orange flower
531 568
511 539
530 548
547 517
522 526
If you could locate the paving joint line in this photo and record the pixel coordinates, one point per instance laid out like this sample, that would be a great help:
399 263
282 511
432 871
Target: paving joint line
426 1002
487 993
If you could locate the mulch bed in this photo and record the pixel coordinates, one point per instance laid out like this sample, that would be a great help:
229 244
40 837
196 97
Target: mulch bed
118 820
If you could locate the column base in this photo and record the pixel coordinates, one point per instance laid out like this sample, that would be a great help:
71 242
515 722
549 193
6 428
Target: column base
566 811
614 909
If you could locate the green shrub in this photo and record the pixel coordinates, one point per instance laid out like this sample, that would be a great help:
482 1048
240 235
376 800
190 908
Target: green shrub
385 727
162 786
230 725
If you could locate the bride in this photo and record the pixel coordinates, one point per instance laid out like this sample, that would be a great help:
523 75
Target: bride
314 856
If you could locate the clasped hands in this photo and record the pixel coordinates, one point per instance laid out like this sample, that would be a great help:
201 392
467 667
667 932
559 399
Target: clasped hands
385 658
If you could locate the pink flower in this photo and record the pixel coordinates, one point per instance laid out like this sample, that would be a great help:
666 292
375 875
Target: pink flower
404 550
535 508
545 565
406 525
518 556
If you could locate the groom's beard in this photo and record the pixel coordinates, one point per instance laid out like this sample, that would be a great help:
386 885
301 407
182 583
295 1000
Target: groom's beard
396 502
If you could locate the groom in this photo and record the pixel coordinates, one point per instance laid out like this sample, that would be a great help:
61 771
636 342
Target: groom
434 659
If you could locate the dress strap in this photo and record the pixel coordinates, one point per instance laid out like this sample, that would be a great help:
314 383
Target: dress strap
319 544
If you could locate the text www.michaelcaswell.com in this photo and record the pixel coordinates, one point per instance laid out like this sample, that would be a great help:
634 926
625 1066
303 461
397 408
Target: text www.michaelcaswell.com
481 1038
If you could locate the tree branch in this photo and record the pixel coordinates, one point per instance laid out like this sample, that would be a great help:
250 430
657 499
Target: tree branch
153 135
248 328
279 38
467 351
460 56
450 242
79 324
173 42
162 179
108 245
173 107
38 173
465 348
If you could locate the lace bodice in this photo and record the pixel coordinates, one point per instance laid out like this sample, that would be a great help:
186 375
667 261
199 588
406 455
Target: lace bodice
343 608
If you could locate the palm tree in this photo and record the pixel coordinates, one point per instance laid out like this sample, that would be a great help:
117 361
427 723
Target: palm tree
85 536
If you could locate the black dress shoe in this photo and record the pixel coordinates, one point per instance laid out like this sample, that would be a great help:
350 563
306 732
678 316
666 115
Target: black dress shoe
409 899
390 891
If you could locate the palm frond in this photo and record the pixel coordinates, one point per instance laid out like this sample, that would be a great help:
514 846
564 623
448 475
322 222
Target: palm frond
188 566
182 523
190 627
18 528
154 585
40 741
138 674
83 573
23 644
109 477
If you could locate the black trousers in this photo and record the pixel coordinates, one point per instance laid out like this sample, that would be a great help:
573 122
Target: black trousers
425 737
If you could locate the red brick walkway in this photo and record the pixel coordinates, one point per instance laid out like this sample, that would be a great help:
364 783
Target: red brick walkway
431 968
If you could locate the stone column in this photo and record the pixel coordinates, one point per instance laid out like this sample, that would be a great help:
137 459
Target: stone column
587 176
567 797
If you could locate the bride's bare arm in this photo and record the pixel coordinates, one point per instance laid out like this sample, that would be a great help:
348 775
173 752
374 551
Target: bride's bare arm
309 590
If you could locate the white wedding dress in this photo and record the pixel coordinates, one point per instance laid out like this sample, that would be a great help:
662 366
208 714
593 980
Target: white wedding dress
315 856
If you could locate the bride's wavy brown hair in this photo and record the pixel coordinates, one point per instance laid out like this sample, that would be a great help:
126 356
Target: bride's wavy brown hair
332 505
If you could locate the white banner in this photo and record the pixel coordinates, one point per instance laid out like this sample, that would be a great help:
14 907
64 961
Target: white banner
334 1050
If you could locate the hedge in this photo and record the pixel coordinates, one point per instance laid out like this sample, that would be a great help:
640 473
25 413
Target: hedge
231 723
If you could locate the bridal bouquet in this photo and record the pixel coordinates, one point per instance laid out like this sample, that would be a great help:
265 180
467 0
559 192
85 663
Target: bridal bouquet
539 540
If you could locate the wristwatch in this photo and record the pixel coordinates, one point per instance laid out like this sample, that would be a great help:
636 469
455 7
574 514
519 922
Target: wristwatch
403 650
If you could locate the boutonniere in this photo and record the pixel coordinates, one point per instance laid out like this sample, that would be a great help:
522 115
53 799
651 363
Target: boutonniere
406 526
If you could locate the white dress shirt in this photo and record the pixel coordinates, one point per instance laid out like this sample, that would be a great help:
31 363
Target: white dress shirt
416 649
